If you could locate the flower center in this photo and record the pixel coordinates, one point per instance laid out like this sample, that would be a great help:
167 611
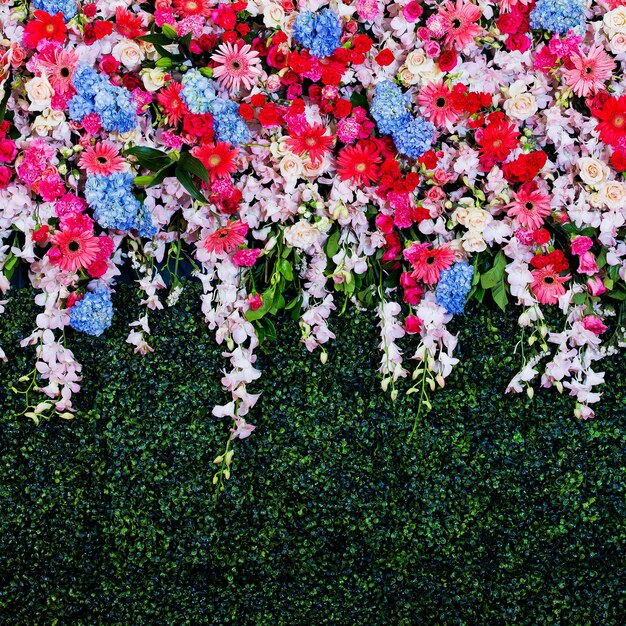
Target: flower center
618 121
529 206
360 167
456 22
215 160
430 260
73 246
102 160
65 72
310 141
236 65
548 280
440 102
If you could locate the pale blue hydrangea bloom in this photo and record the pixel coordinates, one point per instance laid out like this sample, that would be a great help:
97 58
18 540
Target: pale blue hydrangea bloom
558 16
94 313
69 8
415 138
453 286
319 32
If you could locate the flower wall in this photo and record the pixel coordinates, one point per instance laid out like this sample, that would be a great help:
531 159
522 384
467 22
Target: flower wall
401 156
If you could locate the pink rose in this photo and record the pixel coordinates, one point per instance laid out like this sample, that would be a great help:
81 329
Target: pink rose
435 194
412 324
595 286
594 324
255 301
384 223
412 11
432 49
8 150
5 176
580 245
97 269
588 264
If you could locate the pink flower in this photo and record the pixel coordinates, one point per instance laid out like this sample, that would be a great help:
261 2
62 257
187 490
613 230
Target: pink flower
412 324
236 66
581 244
547 285
246 257
588 264
594 324
595 286
412 11
589 72
255 301
530 206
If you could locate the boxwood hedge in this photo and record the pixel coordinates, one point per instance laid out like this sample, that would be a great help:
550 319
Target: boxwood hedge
499 511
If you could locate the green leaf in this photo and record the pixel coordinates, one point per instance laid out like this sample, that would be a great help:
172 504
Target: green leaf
193 165
332 245
156 38
492 277
268 299
184 177
286 269
149 158
579 298
162 174
5 97
601 259
498 293
9 265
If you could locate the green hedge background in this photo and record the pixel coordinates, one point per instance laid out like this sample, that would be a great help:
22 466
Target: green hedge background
500 511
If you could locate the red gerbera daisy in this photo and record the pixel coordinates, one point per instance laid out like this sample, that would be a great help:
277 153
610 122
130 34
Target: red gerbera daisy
219 159
74 248
497 140
227 238
44 26
612 116
359 163
436 98
128 24
314 140
174 106
429 262
103 158
187 8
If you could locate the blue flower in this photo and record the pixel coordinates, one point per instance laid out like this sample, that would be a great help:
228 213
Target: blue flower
115 206
319 32
415 138
69 8
227 122
558 16
390 108
93 314
198 92
453 286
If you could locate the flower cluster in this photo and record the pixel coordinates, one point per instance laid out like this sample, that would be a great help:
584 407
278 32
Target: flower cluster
410 157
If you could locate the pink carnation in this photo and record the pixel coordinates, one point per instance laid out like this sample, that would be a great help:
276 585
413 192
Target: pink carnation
594 324
246 257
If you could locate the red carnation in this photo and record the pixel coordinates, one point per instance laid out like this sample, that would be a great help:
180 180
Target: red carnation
384 57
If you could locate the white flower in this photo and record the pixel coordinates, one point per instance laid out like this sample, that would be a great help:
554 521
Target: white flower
153 78
301 235
615 20
592 171
613 195
129 53
520 104
273 15
40 92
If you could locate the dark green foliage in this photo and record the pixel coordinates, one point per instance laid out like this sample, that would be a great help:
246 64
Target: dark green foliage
500 511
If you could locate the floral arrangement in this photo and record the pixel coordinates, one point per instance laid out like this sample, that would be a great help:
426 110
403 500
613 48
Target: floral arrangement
401 155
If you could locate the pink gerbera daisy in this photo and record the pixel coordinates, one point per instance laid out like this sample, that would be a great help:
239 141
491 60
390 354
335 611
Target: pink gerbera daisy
311 139
547 284
458 22
59 65
237 65
74 248
589 72
187 8
530 206
429 262
435 97
103 159
227 238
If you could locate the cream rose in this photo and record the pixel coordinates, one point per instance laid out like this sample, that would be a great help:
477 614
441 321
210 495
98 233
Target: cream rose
290 166
407 77
615 20
617 44
39 92
128 53
153 79
592 171
273 15
613 194
301 235
418 63
478 219
520 104
473 241
460 215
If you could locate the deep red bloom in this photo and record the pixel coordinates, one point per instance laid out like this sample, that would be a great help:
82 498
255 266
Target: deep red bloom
384 57
359 163
219 159
128 24
612 116
311 139
173 105
525 167
497 140
44 27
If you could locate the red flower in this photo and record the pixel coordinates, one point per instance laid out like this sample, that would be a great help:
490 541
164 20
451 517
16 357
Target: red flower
41 234
359 163
497 140
44 27
612 116
270 115
199 125
447 60
412 324
525 167
173 105
219 159
128 24
384 57
227 238
312 139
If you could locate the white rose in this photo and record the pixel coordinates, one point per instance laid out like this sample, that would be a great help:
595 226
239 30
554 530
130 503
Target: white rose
128 53
473 241
592 171
40 126
314 171
617 44
460 215
520 104
153 79
301 235
39 92
418 63
279 149
613 194
273 15
407 77
290 166
150 51
478 219
615 20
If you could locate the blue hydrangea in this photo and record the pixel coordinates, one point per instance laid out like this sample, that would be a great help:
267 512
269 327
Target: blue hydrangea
198 92
227 122
69 8
453 286
115 206
94 313
96 94
558 16
319 32
390 108
415 138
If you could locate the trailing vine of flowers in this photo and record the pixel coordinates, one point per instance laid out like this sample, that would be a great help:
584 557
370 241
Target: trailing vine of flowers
404 156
